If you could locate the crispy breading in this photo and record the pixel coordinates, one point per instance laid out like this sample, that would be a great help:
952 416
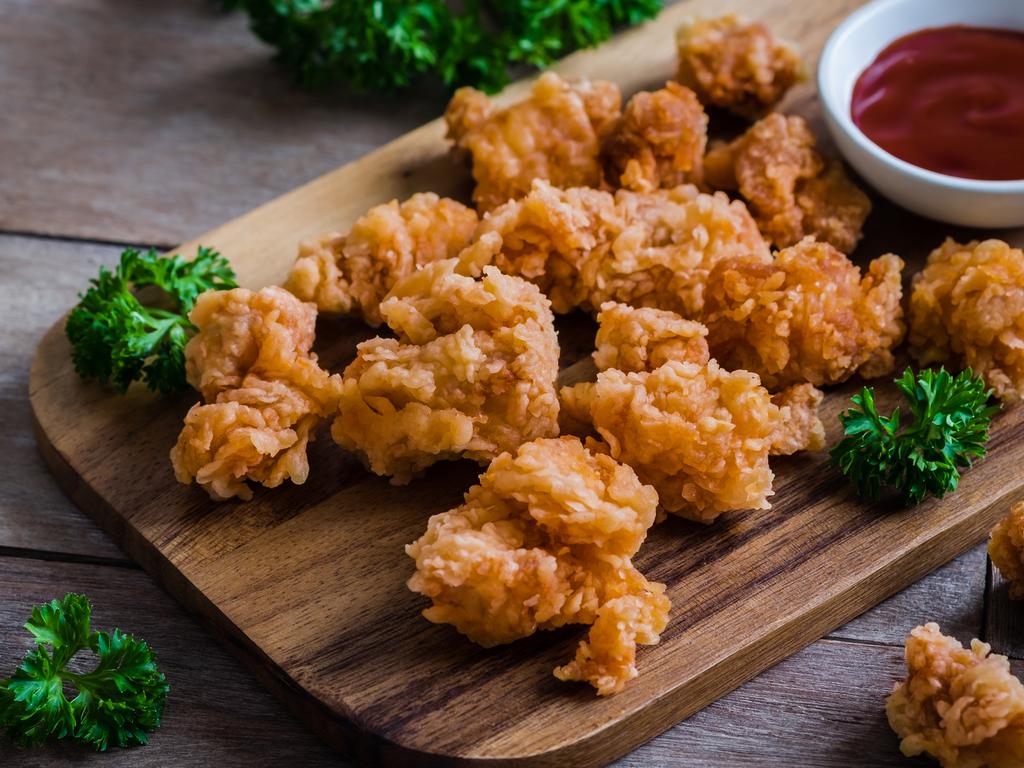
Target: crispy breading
555 134
543 541
584 247
807 316
632 339
264 392
351 274
1006 549
792 190
967 307
658 142
699 434
607 658
964 707
800 427
735 65
470 374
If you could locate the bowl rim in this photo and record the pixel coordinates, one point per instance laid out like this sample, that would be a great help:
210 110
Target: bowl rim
840 113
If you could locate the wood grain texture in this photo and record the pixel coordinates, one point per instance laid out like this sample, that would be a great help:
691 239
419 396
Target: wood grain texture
953 596
39 279
747 592
215 711
206 126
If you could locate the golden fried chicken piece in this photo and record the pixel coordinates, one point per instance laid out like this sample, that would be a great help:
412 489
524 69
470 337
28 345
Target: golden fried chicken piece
584 247
791 189
472 372
806 317
543 541
264 392
698 433
800 427
554 134
964 707
967 305
607 658
351 274
1006 548
632 339
658 142
735 65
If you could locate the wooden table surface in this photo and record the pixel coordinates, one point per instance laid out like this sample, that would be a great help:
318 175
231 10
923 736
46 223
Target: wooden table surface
127 123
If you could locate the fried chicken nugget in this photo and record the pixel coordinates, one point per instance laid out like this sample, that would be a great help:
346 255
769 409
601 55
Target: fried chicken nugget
1006 548
554 134
471 374
630 339
351 274
964 707
658 142
800 427
584 247
808 316
543 541
967 305
792 190
264 392
697 433
735 65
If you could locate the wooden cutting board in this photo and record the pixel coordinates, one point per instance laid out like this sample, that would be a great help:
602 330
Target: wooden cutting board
306 584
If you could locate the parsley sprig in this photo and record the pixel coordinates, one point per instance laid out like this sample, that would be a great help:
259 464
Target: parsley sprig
116 704
948 427
385 45
115 338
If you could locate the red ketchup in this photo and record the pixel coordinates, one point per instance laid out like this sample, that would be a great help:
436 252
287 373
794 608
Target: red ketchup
949 99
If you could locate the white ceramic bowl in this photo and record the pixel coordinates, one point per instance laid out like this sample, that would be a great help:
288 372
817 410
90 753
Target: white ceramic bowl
851 48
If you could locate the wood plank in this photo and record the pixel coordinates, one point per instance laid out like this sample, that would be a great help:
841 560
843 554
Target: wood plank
39 279
1004 618
150 122
216 713
748 591
821 708
824 707
953 596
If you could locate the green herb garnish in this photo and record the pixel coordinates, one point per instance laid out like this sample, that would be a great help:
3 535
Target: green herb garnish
948 427
117 339
385 45
116 703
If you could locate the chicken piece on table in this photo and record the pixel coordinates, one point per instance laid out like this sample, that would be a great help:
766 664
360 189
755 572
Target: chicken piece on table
735 65
962 706
350 274
555 134
658 142
806 316
545 540
264 392
471 372
967 307
792 190
1006 549
583 246
699 434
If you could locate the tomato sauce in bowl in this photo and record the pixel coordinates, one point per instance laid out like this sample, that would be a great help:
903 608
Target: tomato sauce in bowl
948 99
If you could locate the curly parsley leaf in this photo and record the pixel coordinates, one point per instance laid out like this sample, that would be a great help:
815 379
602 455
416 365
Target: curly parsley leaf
948 425
117 703
386 45
117 339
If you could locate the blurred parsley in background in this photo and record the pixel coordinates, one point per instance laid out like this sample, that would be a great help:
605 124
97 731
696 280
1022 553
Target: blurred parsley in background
387 45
